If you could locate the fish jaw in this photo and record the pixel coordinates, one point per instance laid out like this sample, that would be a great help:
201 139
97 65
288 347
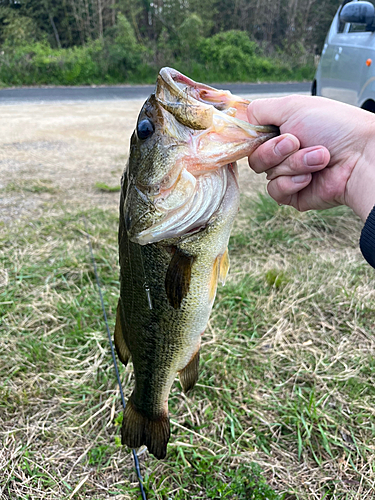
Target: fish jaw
219 131
226 141
172 85
217 138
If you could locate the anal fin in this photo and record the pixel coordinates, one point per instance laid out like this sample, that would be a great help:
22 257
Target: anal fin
189 375
137 430
121 347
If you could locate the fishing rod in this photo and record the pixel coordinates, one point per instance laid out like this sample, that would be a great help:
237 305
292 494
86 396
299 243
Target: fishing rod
135 457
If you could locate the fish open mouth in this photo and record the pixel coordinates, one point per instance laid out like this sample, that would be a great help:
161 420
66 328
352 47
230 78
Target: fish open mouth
216 135
220 132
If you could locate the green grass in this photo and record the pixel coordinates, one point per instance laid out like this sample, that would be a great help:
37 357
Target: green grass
31 186
284 405
105 188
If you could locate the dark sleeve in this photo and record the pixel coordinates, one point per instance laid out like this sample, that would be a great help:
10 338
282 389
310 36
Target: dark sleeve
367 240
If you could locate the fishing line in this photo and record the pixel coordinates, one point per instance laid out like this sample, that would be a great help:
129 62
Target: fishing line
135 457
145 285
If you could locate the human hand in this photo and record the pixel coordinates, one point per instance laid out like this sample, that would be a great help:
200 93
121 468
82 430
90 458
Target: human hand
325 155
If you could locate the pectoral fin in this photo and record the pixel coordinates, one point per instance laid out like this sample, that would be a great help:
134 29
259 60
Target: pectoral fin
177 279
121 347
214 279
189 375
224 267
219 272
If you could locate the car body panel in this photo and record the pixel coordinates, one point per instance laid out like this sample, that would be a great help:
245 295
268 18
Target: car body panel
342 73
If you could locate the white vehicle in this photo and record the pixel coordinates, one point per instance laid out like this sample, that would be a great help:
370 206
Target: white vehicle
346 70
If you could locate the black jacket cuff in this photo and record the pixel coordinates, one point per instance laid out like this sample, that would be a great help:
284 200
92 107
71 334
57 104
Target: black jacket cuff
367 240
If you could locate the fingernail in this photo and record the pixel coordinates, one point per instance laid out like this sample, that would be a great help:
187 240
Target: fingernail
314 158
285 147
300 179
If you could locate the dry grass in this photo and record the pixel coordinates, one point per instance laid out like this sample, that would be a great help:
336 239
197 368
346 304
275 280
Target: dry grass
47 366
312 300
287 370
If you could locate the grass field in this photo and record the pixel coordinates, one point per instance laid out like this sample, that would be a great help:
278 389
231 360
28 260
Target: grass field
285 403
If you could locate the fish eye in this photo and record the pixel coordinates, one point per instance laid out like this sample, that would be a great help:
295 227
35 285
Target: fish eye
145 128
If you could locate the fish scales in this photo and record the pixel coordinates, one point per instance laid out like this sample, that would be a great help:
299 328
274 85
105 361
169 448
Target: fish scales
178 202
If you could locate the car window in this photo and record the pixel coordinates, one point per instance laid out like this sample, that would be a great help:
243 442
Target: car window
358 28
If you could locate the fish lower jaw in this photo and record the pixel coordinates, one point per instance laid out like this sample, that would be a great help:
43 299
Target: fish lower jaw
220 168
195 214
172 237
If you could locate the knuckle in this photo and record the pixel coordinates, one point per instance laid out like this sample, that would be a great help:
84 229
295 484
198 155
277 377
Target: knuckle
275 192
273 173
256 161
281 183
265 158
295 162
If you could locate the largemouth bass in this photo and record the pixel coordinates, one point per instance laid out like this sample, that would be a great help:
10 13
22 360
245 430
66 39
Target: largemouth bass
179 198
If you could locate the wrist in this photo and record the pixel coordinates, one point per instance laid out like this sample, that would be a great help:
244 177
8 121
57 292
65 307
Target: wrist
360 188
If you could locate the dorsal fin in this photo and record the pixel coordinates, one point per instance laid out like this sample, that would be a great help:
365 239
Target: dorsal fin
177 279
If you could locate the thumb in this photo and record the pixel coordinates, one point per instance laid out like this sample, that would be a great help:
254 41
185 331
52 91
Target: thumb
273 111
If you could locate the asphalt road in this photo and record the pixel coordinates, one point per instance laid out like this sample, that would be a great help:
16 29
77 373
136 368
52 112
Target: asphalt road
50 94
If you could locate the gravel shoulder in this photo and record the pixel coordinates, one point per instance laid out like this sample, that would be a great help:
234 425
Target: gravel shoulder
55 153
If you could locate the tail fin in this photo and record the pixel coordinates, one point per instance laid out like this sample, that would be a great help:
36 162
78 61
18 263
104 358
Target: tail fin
138 430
